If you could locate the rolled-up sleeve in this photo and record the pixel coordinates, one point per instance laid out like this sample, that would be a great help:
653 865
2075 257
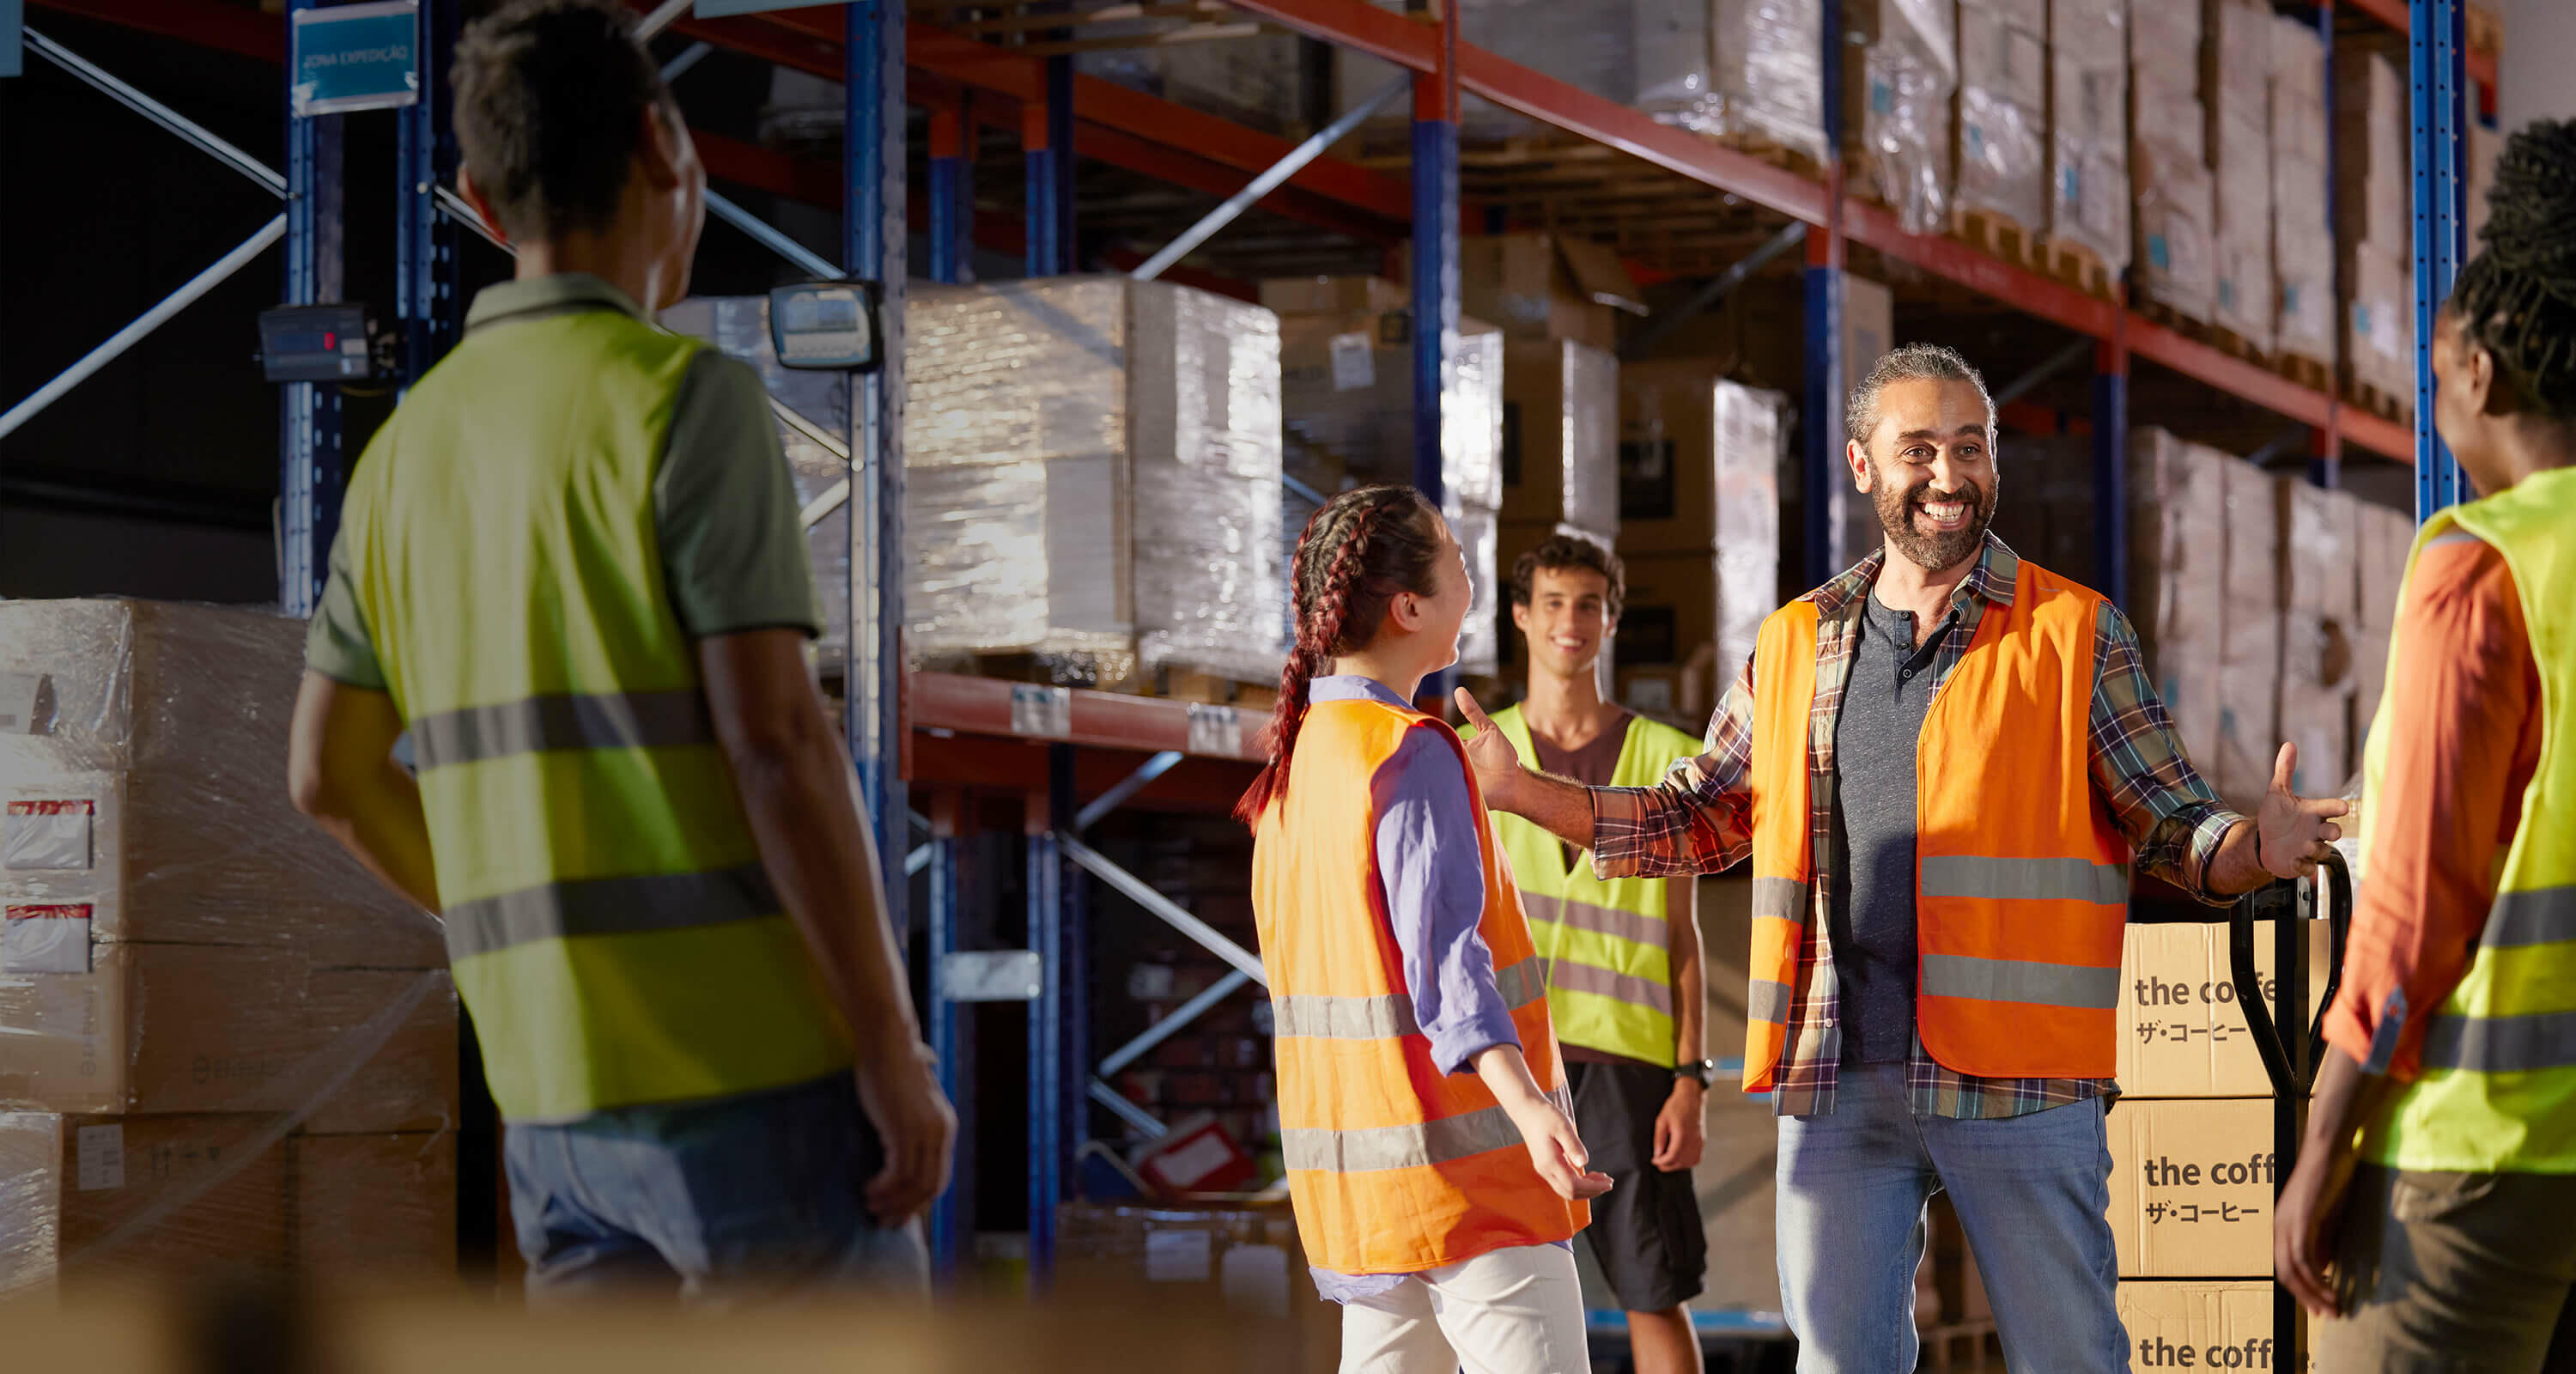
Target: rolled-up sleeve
1699 819
1430 860
2171 817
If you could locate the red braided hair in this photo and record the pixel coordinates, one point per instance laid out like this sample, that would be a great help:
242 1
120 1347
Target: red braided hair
1357 552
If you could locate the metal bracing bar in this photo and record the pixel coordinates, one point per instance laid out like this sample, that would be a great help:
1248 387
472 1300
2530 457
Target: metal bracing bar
661 18
1169 1026
1128 786
690 56
916 861
2028 382
1142 893
461 210
1270 180
1300 490
2295 437
1717 289
158 113
814 263
1127 1111
143 324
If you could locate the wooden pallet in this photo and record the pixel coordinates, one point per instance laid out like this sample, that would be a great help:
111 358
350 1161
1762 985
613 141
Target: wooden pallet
1968 1348
2230 342
2190 327
1999 237
1106 673
2307 372
2387 405
1189 684
2077 266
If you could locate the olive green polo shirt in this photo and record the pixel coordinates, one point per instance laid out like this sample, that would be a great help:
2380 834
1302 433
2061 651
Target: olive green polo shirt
724 504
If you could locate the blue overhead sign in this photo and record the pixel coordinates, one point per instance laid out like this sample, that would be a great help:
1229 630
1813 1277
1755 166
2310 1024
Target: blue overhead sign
718 9
356 57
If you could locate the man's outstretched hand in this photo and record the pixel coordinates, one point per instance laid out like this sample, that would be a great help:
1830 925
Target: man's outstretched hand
2296 832
1498 766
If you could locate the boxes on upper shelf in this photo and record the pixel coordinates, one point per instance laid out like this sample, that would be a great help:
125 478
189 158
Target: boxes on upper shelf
2003 147
1544 286
1766 73
1898 84
1560 456
2088 110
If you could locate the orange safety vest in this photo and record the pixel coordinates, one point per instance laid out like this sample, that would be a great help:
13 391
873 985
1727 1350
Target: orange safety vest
1394 1167
2021 878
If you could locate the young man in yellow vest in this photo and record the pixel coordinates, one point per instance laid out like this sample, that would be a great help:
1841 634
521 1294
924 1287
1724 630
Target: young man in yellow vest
1944 765
570 568
2451 1077
1623 965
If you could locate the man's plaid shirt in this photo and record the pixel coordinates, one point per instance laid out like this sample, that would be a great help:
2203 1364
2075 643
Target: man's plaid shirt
1699 820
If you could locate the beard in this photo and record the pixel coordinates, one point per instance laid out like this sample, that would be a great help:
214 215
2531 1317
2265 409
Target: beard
1939 550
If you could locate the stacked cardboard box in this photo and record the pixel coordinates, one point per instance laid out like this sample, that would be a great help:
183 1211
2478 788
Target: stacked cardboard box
2383 539
2003 102
2169 161
2236 46
1560 458
2375 229
189 972
1650 55
1346 399
1898 84
2319 536
2088 136
2204 1324
2302 240
2178 579
2249 639
1255 79
1765 73
2484 146
1240 1263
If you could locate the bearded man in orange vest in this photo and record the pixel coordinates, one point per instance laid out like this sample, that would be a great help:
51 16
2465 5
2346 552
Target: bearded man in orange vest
1944 764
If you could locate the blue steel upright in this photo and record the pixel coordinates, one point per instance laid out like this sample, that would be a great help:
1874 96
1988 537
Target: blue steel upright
310 469
1826 479
952 196
873 249
2111 463
2438 87
947 1023
426 298
1435 265
1046 142
1049 813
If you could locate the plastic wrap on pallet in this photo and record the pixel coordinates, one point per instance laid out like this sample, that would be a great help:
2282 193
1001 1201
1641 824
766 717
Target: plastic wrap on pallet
1909 73
2177 575
2374 191
2245 301
2176 266
2003 92
1092 476
1346 397
2088 122
1561 435
1253 79
739 325
1591 439
1650 55
373 1209
1767 79
1478 531
2379 323
1752 430
2320 534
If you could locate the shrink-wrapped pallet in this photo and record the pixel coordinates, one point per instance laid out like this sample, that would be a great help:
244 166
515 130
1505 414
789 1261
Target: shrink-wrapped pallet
2302 240
2003 99
1766 76
2177 265
2088 112
1092 476
1897 101
2237 47
1560 453
1650 55
1752 429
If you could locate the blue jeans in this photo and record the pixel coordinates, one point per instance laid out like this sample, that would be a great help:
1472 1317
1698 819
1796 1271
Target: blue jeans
2031 1193
757 1196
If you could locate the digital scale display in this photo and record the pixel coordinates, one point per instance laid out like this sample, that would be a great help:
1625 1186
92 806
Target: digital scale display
315 343
825 326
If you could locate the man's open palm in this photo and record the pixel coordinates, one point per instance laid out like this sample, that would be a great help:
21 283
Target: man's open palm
2296 832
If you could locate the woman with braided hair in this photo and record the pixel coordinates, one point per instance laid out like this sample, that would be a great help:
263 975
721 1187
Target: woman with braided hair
2432 1215
1431 1153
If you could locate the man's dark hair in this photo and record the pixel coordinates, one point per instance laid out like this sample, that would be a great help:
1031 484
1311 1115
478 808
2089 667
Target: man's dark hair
1913 362
2518 295
550 97
1562 551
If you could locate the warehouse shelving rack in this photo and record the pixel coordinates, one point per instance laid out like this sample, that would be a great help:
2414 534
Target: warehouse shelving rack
1072 755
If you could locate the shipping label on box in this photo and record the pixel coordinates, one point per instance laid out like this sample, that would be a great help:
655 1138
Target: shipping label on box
2182 1031
44 939
47 834
2202 1325
2191 1187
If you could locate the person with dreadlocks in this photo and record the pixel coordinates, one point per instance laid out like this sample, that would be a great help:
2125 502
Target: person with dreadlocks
2429 1216
1432 1157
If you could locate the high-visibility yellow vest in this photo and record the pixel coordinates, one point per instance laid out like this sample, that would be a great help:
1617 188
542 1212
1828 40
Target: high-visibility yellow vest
1608 951
2498 1088
613 933
1394 1167
2021 877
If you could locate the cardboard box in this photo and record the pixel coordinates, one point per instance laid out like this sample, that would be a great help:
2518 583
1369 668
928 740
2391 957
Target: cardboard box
2253 596
1333 295
2177 266
2182 1031
1240 1262
2223 1325
375 1208
2191 1187
1545 286
160 1028
165 1197
410 1083
1672 609
2319 537
2249 738
2384 538
2369 683
2177 545
1560 460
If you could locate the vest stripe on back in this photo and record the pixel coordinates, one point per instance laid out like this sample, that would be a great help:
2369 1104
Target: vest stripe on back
1600 920
608 720
2541 916
2012 980
2062 879
1573 975
2501 1044
609 906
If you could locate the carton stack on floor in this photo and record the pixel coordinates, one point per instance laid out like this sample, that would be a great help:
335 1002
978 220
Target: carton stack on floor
2192 1159
2374 232
222 1045
1239 1259
2088 142
2003 98
1346 399
2320 595
2249 640
2302 240
2236 47
2169 162
2178 578
2383 537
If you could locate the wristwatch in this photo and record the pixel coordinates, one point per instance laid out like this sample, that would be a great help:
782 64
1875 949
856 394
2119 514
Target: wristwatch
1704 1070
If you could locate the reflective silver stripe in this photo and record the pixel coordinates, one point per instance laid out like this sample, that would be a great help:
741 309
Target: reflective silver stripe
629 720
1399 1147
2501 1044
609 906
1768 1001
2545 916
1344 1018
2011 980
2064 880
1570 976
1522 983
1784 898
1599 920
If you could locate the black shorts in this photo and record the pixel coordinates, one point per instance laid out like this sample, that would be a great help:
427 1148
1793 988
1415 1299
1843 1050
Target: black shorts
1646 1231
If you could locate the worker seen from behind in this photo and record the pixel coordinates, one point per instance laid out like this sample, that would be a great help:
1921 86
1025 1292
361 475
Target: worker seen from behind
2433 1207
569 567
1622 954
1435 1171
1945 765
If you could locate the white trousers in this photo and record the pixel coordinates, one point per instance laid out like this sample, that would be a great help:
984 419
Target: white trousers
1515 1311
